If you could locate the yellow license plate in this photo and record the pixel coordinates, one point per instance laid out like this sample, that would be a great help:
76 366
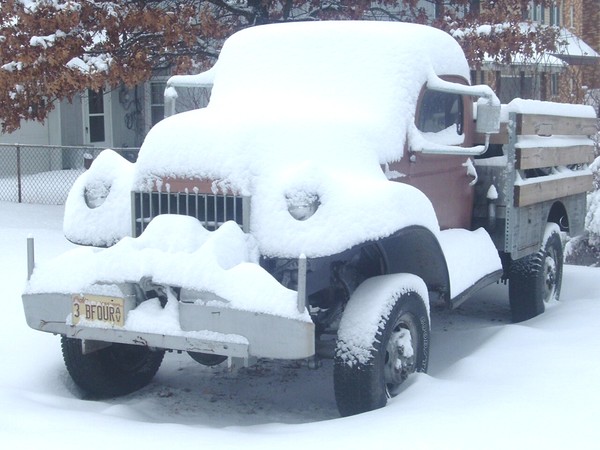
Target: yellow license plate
98 309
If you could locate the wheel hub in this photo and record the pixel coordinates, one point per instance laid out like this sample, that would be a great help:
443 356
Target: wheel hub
400 357
550 277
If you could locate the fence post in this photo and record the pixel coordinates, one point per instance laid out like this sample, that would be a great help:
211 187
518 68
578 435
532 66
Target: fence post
19 187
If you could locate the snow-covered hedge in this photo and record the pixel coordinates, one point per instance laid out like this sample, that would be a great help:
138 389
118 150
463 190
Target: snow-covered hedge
585 249
592 219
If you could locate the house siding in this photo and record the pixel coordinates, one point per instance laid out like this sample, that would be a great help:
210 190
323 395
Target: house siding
127 118
71 117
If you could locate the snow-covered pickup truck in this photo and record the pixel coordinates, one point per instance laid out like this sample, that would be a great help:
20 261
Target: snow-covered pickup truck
342 177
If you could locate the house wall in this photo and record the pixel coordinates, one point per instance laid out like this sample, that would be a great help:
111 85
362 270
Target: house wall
72 120
590 32
31 133
582 17
573 14
123 131
47 133
124 119
567 84
127 117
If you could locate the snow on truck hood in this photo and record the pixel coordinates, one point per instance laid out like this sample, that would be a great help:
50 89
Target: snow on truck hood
308 108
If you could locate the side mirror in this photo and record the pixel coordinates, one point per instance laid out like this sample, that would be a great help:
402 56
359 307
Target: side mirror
488 118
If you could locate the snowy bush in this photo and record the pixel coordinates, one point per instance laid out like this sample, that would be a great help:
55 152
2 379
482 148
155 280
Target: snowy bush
585 249
592 219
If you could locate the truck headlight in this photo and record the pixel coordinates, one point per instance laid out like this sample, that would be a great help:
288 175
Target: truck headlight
302 205
95 194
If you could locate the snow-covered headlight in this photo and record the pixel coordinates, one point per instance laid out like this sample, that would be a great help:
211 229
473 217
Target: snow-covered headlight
95 194
302 205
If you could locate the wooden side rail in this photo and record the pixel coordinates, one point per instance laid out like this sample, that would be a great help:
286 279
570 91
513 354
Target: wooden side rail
541 189
538 157
543 125
562 182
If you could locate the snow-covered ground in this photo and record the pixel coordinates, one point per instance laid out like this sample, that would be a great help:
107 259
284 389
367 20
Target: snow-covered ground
491 384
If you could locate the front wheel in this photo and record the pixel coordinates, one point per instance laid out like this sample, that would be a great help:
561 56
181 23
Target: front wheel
535 280
115 370
365 376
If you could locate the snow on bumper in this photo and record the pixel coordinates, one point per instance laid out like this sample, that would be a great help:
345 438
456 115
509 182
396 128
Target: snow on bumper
183 326
177 286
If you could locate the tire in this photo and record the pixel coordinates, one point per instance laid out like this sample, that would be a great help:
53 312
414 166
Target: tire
207 359
112 371
535 280
365 386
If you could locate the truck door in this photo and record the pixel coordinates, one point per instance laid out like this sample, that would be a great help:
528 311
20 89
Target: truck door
443 118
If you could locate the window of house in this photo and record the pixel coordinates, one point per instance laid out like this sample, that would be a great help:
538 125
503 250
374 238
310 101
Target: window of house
555 14
542 14
559 14
517 86
96 115
439 111
571 16
537 12
157 101
554 84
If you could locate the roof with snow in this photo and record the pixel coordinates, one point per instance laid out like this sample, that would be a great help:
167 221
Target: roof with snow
574 50
570 49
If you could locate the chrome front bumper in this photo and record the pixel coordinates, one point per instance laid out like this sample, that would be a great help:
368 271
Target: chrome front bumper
206 329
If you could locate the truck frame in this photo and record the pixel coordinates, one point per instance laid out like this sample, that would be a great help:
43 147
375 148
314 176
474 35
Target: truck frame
494 206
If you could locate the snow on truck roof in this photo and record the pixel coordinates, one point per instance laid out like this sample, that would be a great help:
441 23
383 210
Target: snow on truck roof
340 60
346 50
361 76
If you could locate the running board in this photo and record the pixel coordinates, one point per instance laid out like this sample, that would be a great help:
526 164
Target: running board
483 282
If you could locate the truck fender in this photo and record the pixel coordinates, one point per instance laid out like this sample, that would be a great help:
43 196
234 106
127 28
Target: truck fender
416 250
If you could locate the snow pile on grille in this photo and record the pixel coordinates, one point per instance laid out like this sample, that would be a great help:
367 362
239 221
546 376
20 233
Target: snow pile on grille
175 251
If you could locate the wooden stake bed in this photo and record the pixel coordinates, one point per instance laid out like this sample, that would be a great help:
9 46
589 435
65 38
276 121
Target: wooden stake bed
538 157
551 189
543 177
543 125
556 159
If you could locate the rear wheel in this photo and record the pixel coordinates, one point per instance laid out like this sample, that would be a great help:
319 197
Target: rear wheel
399 348
535 280
115 370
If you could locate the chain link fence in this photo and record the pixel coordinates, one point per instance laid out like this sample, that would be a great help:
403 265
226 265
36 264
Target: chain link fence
44 174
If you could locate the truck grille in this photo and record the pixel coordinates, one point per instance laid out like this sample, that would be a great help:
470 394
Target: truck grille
211 210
